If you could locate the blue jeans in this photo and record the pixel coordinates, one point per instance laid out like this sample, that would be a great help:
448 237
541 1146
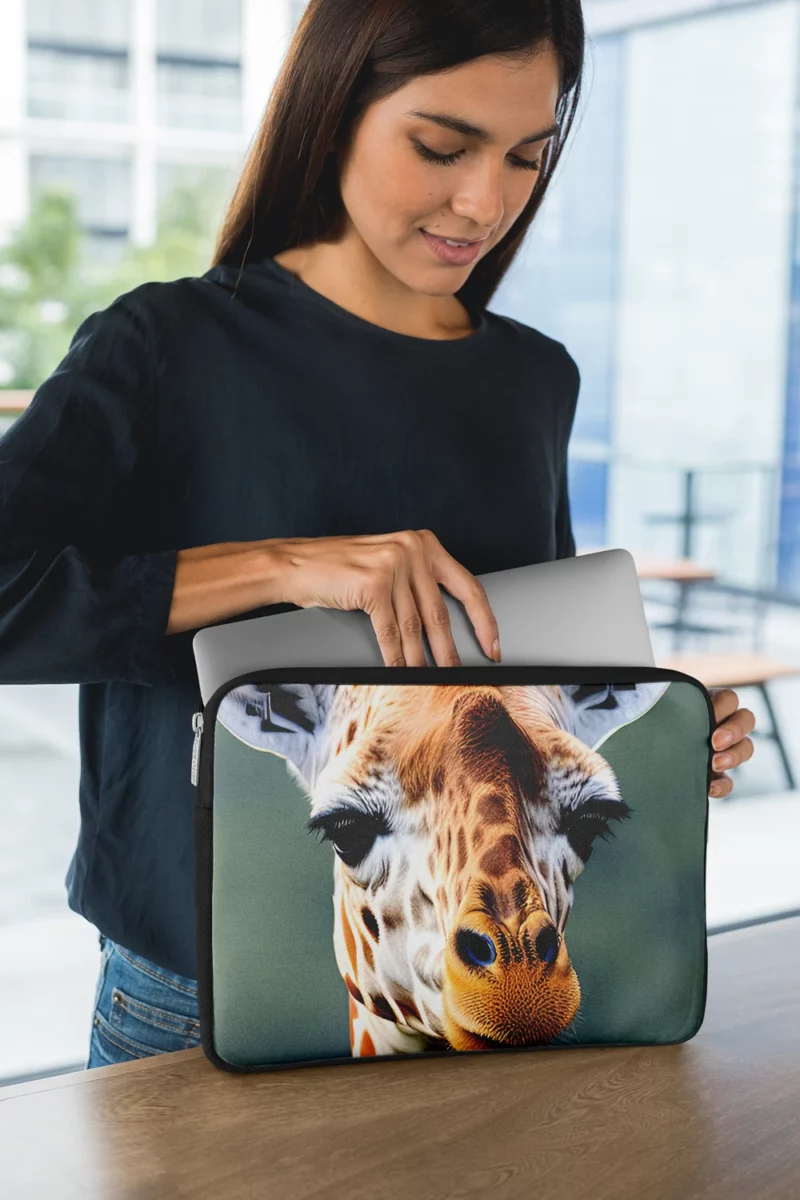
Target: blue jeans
140 1009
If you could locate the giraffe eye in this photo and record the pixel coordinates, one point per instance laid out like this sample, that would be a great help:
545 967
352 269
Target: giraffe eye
352 833
590 820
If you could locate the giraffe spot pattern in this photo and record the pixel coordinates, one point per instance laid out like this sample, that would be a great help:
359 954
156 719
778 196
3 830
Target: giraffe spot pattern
368 917
349 940
392 919
366 950
383 1008
502 855
492 809
462 849
353 989
405 1002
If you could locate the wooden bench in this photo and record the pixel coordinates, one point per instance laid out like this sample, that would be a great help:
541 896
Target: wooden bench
743 669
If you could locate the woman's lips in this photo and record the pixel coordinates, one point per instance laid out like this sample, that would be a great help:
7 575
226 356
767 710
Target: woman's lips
457 256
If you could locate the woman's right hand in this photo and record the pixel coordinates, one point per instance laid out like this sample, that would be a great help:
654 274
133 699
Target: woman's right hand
394 578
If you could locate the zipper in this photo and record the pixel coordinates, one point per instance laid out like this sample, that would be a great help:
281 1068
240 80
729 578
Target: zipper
197 726
508 674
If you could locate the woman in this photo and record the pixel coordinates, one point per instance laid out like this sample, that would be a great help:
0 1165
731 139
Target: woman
328 417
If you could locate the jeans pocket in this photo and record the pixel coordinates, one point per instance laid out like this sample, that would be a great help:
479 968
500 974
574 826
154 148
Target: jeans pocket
141 1009
149 1028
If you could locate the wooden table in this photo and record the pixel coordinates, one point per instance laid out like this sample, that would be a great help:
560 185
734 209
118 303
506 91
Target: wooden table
717 1117
677 570
12 403
732 668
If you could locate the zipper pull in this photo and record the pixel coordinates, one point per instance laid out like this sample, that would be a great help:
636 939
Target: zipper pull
197 726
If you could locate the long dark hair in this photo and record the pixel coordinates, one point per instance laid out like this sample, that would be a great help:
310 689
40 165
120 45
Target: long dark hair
345 55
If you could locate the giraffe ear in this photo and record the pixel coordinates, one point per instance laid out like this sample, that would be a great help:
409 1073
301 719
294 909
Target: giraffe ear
594 711
287 719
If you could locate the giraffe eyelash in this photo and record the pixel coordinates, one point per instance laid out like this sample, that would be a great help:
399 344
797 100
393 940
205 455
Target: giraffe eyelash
591 820
351 831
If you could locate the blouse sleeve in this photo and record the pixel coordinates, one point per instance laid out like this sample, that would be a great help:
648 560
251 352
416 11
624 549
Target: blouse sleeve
565 540
82 599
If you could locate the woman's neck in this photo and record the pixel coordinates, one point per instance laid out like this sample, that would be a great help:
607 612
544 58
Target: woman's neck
349 275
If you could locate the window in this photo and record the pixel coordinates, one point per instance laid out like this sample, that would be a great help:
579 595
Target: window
65 85
206 28
78 62
198 95
102 187
198 66
99 22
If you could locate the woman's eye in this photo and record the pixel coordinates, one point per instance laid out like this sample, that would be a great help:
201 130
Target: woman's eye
447 160
431 155
352 834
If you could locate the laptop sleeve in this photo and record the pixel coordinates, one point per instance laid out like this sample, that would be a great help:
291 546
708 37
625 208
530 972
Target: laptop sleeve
418 860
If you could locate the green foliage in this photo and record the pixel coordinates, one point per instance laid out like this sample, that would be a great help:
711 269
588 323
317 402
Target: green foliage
50 280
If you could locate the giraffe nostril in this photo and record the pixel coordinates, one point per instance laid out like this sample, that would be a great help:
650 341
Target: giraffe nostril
546 944
475 949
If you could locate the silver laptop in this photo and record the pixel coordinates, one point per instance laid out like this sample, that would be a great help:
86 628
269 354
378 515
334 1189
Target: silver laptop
582 611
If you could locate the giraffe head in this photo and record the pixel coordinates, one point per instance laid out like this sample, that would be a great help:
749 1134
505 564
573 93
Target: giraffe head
460 816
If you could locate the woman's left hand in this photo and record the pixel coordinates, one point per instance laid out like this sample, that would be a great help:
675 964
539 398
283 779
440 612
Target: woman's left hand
729 739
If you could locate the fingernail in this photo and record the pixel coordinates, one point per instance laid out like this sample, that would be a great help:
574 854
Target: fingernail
496 650
724 738
721 761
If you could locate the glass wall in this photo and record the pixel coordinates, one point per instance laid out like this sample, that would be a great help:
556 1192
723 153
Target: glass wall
704 268
565 281
664 244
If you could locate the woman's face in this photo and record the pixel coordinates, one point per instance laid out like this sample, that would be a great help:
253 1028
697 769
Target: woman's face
394 187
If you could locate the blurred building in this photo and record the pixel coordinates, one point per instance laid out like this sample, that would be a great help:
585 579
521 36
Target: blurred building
122 99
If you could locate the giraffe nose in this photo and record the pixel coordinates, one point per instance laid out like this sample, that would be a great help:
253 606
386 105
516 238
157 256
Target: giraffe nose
479 950
507 975
546 943
475 949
